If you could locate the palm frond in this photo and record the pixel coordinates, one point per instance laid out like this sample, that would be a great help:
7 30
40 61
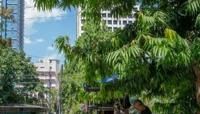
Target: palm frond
46 4
170 34
169 50
192 7
156 46
197 23
145 20
91 7
161 17
195 50
124 54
61 43
152 21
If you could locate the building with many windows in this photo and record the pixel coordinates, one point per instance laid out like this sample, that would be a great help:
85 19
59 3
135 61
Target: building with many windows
111 22
48 70
13 28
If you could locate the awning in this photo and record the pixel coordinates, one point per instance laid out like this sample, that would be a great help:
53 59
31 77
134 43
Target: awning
23 108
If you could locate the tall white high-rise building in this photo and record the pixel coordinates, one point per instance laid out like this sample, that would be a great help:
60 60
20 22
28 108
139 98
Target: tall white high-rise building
48 70
111 22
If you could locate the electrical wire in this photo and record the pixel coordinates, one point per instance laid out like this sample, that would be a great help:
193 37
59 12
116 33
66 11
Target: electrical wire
45 17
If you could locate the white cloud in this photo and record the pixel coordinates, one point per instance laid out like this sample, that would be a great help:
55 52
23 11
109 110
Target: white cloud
54 56
32 15
27 40
50 48
40 40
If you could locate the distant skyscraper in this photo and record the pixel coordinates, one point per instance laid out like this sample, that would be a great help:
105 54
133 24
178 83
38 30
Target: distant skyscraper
14 28
111 22
48 70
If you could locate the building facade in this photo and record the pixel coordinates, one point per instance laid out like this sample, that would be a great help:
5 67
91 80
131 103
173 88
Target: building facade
48 70
13 28
111 22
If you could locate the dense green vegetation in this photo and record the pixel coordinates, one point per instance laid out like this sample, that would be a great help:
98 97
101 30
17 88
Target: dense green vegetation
18 78
156 57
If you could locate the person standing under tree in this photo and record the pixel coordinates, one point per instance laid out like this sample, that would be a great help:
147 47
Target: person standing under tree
140 107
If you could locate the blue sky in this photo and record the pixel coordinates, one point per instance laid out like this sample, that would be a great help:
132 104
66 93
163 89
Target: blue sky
42 28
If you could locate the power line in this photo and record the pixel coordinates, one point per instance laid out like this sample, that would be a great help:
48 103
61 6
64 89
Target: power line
27 7
33 56
46 17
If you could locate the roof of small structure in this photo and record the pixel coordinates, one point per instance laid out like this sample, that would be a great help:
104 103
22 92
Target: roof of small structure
111 78
22 108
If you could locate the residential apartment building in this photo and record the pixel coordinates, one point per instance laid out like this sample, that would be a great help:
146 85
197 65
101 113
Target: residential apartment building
13 28
111 22
48 70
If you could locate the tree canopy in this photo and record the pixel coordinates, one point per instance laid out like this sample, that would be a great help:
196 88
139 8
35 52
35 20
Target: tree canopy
147 66
18 78
156 57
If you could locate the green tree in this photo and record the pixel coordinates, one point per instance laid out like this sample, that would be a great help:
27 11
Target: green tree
99 53
72 90
159 51
5 14
17 74
18 77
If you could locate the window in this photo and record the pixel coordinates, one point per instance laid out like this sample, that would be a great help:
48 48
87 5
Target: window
120 22
46 74
42 74
82 15
41 67
109 15
115 22
115 28
103 14
109 22
129 22
82 27
82 21
130 16
136 8
124 22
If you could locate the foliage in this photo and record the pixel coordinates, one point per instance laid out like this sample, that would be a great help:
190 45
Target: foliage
5 42
5 14
18 77
142 65
78 65
71 85
154 59
53 93
89 6
18 81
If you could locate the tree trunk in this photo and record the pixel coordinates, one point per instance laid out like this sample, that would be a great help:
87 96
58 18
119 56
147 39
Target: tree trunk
126 111
196 70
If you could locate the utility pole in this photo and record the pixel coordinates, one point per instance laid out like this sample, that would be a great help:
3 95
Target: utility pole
60 90
50 86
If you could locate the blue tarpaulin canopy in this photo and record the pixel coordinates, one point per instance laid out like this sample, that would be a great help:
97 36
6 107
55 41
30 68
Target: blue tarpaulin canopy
112 78
106 80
